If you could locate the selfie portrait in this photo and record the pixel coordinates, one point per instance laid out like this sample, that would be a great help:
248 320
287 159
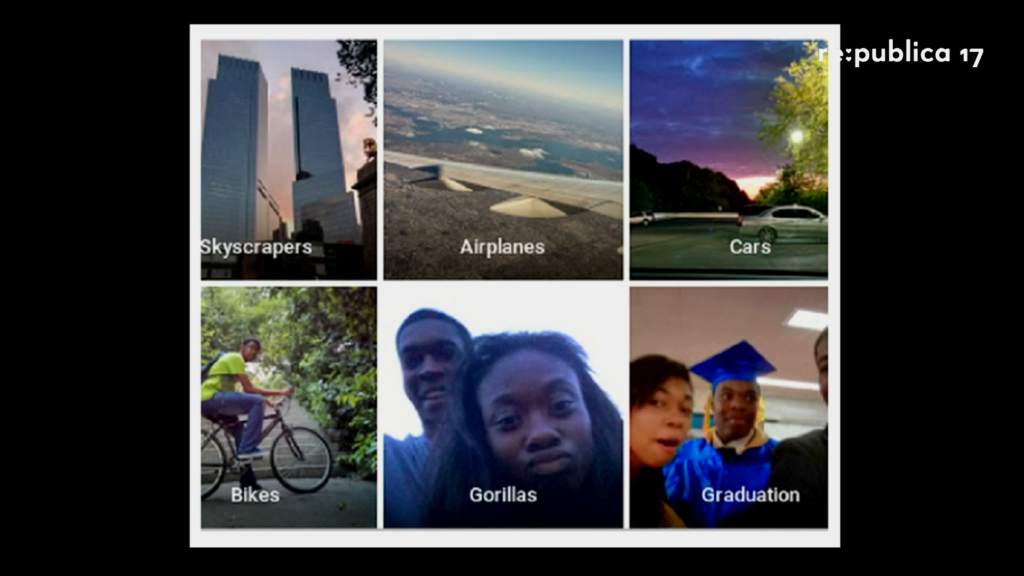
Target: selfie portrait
729 408
508 416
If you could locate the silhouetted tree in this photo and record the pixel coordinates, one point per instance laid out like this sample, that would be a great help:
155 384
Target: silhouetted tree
359 58
680 186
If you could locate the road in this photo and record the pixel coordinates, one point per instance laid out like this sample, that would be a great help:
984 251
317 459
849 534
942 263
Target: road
693 244
340 504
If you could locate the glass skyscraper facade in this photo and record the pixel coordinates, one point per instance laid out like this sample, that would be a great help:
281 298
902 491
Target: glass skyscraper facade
236 206
319 169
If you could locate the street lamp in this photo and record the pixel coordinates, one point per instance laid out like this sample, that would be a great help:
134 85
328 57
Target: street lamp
796 137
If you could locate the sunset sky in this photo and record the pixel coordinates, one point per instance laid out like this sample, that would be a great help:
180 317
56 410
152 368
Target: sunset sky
276 59
700 100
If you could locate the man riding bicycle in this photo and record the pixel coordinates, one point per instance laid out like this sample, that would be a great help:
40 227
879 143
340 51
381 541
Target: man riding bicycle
221 400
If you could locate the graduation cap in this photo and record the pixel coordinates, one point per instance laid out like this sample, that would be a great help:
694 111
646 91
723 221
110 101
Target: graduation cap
741 362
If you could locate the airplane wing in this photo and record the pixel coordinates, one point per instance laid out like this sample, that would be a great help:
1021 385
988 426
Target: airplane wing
538 190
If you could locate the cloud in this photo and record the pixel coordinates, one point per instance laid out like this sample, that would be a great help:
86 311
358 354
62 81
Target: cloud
536 153
599 147
474 131
476 144
694 65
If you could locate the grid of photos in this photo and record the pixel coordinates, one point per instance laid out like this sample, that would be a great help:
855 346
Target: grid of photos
543 363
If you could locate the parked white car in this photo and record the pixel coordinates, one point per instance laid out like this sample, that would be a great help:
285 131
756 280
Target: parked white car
785 222
644 218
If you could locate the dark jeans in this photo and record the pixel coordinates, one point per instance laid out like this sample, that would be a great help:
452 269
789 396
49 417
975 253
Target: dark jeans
234 404
226 406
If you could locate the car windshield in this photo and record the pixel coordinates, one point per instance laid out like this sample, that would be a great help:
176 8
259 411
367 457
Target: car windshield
737 181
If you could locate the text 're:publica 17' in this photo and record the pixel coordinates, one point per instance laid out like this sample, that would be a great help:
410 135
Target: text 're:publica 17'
910 52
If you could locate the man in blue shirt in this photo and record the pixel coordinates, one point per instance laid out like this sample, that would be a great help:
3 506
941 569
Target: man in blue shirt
433 348
712 480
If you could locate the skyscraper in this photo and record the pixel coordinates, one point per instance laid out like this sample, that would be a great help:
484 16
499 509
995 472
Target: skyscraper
319 191
236 205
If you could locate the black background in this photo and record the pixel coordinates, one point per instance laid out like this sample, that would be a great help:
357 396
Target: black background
931 278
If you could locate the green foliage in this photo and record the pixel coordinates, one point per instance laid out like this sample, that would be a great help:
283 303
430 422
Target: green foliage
229 315
800 102
359 58
794 188
320 340
643 197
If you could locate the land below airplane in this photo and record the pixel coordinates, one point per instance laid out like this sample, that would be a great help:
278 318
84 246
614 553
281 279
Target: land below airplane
541 195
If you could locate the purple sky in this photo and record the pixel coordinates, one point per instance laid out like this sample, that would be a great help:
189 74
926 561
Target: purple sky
700 100
277 58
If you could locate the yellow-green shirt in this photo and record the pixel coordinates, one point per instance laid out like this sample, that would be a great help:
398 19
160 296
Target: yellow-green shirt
222 376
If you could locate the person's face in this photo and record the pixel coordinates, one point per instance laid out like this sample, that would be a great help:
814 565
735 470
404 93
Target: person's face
735 407
821 357
250 351
432 355
659 426
538 426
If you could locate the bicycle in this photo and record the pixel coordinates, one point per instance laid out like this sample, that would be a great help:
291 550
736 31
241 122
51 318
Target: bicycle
299 457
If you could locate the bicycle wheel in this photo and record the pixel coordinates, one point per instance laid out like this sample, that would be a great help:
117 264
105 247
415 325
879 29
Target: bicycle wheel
301 460
213 464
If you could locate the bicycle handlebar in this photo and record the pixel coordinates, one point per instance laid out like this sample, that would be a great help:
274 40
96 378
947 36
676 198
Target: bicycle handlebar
279 404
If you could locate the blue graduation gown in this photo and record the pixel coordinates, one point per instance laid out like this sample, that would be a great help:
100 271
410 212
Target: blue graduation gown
699 471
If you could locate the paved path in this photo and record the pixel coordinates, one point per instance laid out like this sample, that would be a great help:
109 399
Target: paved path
340 504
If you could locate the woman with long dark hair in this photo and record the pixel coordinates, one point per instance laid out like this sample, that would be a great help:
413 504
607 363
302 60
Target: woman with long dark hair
531 440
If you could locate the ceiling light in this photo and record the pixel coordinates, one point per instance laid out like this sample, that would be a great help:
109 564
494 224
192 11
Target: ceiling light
810 320
787 383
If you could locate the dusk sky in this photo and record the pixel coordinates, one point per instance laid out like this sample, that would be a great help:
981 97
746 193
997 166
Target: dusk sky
700 100
276 59
582 71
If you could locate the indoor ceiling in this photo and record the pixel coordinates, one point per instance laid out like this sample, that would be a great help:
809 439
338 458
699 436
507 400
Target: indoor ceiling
693 324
